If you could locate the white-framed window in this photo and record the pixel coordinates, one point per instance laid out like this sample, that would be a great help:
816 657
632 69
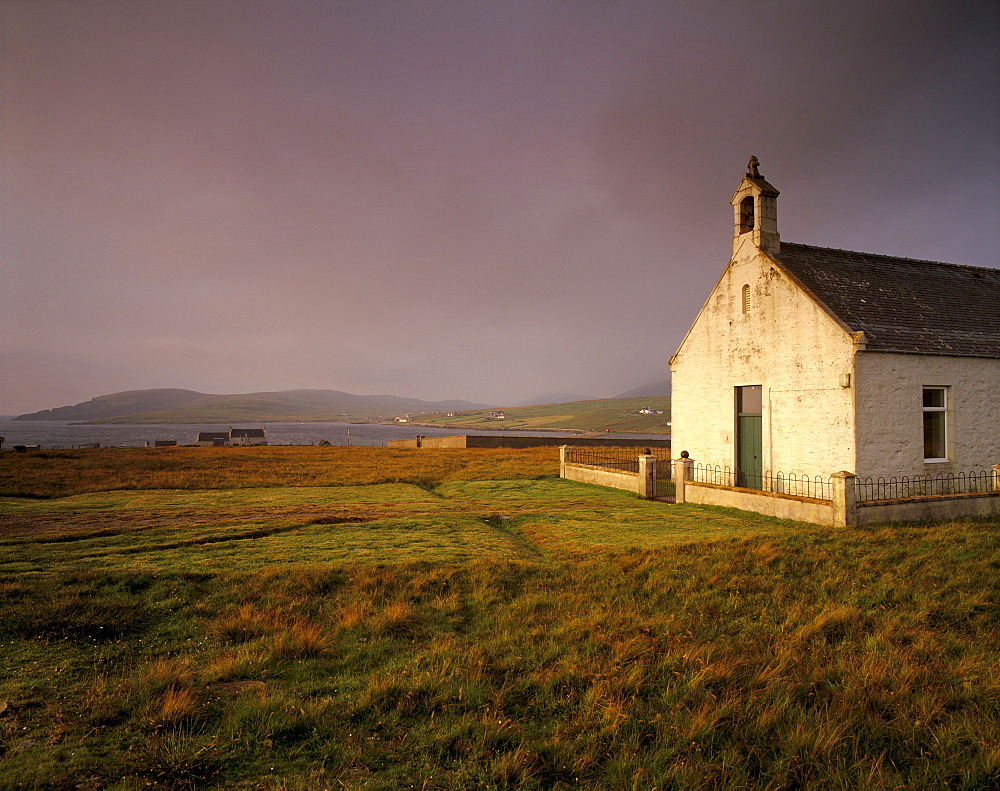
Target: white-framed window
935 424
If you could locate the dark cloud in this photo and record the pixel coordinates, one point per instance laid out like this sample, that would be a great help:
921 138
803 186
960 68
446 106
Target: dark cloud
451 199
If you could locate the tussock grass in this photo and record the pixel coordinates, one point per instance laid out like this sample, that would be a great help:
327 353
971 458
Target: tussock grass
166 673
812 660
299 640
177 704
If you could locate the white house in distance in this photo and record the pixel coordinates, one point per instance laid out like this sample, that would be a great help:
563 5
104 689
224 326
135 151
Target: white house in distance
248 436
809 361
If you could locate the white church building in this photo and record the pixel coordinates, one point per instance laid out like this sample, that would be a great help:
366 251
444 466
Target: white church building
811 361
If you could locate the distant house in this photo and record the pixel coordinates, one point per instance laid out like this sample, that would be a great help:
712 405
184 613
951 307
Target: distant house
233 437
811 360
248 436
498 414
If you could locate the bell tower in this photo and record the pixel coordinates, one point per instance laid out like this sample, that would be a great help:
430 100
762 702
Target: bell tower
755 211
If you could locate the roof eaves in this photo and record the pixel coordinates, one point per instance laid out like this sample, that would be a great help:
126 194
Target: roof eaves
935 353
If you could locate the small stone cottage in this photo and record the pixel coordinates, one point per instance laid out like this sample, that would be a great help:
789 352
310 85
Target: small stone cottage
809 360
235 436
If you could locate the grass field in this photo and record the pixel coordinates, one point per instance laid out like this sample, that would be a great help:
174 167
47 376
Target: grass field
463 620
612 414
59 473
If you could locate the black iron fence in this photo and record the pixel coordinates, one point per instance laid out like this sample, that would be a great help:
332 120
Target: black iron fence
621 459
974 482
819 487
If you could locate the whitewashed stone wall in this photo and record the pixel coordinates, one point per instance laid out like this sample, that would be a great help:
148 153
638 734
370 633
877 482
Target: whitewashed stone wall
890 413
787 344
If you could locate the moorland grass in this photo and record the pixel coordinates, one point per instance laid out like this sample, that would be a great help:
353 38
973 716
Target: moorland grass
173 530
59 473
530 634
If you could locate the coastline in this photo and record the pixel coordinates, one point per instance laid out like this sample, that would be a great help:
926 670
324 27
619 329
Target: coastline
575 431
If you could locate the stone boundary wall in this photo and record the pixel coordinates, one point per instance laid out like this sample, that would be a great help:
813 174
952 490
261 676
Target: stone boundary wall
643 482
937 508
784 506
843 509
496 441
614 479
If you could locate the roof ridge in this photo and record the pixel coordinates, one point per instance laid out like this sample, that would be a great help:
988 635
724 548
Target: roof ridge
883 255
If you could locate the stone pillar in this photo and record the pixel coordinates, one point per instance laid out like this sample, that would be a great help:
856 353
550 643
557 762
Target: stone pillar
647 477
845 499
996 477
565 457
683 472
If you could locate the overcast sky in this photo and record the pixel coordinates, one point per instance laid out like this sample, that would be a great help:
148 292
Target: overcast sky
485 200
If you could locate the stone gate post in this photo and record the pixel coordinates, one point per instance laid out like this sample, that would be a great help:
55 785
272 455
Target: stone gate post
845 499
647 476
683 472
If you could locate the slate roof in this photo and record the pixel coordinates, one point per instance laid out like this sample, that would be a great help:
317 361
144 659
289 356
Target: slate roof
248 432
901 304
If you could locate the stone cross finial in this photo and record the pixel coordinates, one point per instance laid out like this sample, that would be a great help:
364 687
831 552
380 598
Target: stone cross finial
752 166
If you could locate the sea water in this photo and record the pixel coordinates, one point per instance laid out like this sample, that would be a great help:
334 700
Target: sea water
64 434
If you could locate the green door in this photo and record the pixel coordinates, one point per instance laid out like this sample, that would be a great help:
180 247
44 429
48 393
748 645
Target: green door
748 451
749 437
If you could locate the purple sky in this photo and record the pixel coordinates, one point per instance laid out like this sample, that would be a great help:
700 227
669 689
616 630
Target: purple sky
479 200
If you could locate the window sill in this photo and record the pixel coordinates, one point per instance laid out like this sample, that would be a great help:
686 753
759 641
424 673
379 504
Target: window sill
936 461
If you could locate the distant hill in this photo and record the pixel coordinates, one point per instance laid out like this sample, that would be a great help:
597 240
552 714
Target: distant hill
130 402
652 389
608 414
187 406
